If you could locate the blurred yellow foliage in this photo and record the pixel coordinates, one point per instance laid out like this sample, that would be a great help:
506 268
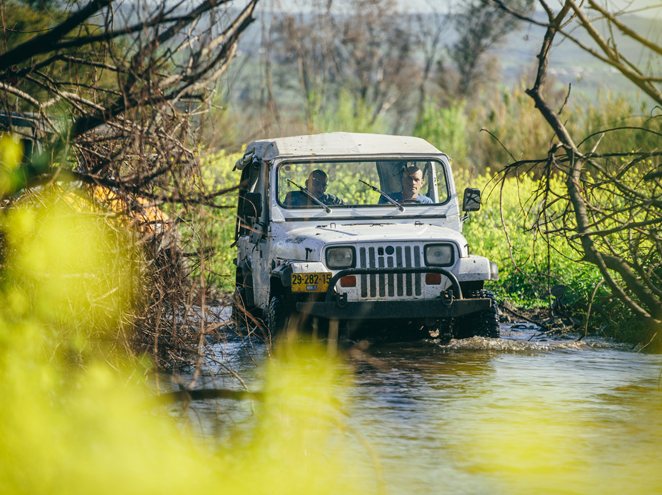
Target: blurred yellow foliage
67 262
77 415
144 215
11 151
11 155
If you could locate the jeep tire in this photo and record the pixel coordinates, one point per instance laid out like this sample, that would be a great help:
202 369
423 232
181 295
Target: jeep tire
482 324
278 313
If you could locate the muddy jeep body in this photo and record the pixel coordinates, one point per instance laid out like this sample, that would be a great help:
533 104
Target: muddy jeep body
370 258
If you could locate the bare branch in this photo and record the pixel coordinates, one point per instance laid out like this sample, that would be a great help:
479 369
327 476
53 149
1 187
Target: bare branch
44 43
624 29
21 94
644 303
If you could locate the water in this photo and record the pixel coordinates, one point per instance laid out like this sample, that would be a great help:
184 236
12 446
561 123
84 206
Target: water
520 414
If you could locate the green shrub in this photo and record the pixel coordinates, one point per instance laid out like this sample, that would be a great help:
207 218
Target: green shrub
212 231
446 128
349 114
503 232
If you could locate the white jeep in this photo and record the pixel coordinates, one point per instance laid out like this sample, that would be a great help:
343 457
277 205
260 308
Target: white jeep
356 228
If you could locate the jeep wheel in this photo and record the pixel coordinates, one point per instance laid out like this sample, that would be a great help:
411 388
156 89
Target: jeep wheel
481 324
277 315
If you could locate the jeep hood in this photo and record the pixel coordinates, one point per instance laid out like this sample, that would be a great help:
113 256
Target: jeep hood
306 243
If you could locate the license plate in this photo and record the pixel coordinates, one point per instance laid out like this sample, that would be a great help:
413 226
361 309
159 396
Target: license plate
310 282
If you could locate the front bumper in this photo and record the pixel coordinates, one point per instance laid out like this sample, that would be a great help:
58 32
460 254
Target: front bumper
409 310
449 304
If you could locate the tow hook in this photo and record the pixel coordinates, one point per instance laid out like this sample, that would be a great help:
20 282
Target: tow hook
447 298
341 300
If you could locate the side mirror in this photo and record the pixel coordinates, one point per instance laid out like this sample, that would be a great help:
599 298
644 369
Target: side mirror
250 205
471 201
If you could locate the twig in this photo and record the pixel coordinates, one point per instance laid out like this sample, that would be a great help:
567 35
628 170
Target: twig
648 343
590 307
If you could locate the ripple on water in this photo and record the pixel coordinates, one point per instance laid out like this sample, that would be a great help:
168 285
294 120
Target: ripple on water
528 338
518 345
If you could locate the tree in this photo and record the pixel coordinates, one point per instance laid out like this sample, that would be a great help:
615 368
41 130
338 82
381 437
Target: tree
111 82
361 52
480 26
113 90
610 207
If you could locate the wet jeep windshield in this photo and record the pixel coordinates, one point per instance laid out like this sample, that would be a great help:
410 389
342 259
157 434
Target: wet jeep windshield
361 183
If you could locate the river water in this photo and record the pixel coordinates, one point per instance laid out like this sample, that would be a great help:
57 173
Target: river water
524 413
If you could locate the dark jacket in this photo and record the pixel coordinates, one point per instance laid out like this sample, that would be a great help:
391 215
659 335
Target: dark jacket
300 199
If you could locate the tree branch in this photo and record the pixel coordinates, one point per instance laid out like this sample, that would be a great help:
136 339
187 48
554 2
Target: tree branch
44 43
624 29
605 263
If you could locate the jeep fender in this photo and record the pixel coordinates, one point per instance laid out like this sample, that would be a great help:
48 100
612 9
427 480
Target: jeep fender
476 268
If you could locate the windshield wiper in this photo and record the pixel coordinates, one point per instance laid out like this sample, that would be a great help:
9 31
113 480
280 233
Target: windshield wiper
389 198
307 193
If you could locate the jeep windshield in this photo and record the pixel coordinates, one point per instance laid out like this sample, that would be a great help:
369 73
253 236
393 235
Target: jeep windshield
362 183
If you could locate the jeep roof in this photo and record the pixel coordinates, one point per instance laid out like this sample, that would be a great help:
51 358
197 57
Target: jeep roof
338 144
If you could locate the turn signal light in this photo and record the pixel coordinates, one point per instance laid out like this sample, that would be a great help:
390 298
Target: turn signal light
348 281
433 278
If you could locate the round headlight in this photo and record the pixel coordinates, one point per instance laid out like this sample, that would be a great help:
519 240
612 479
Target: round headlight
340 257
439 255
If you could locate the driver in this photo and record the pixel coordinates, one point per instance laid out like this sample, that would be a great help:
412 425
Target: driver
316 184
412 181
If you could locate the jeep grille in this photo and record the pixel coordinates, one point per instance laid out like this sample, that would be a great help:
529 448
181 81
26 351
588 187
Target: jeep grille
391 285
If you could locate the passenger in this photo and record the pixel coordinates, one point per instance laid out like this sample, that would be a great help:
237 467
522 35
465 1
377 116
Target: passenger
316 184
412 181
